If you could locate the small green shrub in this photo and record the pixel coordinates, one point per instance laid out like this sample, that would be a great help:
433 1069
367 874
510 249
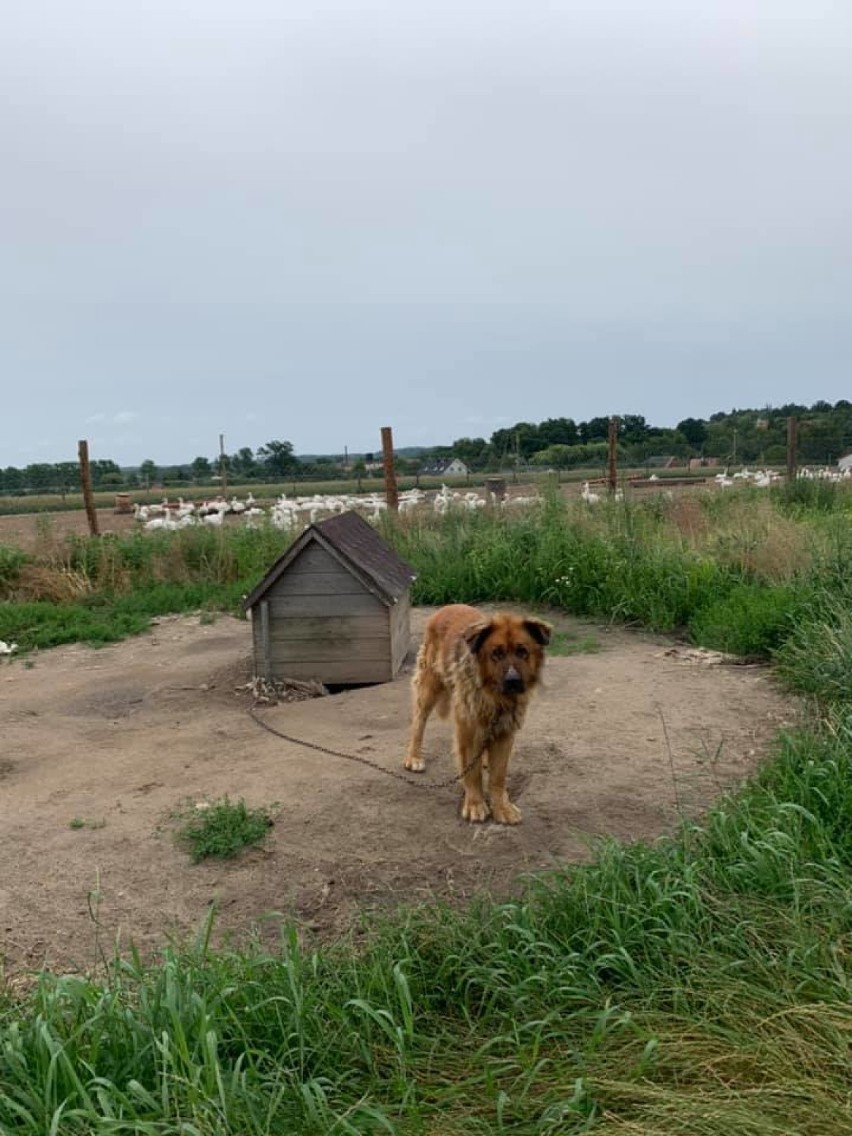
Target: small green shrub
11 562
749 620
222 829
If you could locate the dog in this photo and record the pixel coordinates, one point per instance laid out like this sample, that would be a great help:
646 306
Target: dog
485 669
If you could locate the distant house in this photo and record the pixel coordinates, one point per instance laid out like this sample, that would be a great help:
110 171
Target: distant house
845 462
445 467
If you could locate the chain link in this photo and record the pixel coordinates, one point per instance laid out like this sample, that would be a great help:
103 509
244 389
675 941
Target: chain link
365 760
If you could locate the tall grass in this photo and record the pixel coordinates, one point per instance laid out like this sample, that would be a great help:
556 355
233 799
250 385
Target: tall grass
696 985
699 984
731 572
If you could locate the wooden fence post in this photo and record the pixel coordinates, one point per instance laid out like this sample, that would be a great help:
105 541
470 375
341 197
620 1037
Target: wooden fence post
86 484
792 458
391 493
613 451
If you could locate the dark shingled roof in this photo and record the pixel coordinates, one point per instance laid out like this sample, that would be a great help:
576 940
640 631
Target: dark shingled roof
358 546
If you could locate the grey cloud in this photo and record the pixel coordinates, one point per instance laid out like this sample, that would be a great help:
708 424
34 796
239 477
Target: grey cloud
332 215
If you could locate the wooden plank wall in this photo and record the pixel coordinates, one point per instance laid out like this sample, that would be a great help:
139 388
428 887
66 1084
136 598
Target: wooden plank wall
400 630
325 624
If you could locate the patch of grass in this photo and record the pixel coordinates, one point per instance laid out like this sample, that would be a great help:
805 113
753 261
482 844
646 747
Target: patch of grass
750 620
221 829
570 643
816 657
78 822
810 494
12 561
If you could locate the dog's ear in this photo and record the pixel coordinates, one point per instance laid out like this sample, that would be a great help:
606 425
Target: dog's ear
540 630
476 634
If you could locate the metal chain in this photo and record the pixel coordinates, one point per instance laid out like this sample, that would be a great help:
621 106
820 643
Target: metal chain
365 760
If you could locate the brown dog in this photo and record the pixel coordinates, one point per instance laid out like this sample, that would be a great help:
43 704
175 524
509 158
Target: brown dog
484 667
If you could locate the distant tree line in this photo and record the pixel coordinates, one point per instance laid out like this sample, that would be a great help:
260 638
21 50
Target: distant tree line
735 437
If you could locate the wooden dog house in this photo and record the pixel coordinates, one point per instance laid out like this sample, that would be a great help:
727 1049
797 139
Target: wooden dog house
334 607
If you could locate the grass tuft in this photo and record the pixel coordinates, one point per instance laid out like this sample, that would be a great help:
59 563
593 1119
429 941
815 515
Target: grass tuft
221 829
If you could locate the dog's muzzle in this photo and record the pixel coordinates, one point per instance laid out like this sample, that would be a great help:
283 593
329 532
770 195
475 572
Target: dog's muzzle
512 682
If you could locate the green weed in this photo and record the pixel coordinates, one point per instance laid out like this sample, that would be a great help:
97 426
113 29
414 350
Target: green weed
570 643
221 829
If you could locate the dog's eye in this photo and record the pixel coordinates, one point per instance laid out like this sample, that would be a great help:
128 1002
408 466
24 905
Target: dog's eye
498 653
521 652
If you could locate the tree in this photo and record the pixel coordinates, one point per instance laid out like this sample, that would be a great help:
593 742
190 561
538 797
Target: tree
632 428
472 451
694 430
67 476
242 463
201 470
595 430
39 476
567 457
148 472
277 459
105 472
518 441
558 432
359 471
13 479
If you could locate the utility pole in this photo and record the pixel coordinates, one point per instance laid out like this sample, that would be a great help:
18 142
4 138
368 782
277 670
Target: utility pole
391 492
223 472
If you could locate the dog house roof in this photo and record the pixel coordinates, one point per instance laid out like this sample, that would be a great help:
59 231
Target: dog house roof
350 540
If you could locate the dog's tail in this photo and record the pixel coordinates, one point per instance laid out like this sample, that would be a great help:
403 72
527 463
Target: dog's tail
424 673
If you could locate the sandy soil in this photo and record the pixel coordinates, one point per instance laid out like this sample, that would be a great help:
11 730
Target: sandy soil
618 743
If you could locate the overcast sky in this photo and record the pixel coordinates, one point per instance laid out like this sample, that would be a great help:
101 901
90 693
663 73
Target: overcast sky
308 219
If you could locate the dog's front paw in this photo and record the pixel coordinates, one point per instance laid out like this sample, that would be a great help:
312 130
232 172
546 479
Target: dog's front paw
415 764
506 813
474 809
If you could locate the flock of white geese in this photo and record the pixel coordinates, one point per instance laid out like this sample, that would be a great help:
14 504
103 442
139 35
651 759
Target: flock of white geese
287 512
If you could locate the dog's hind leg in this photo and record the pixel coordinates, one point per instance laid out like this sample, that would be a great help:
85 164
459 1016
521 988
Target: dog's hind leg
427 691
499 752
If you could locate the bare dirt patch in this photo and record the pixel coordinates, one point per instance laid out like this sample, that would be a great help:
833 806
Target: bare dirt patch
116 739
37 532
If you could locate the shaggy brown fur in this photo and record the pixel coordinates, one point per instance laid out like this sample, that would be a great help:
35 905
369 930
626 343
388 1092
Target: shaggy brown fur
484 668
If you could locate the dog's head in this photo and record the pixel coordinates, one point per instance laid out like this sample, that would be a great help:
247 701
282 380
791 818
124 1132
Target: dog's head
509 650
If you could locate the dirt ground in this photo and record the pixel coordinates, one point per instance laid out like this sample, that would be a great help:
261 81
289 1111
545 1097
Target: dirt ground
40 532
617 744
